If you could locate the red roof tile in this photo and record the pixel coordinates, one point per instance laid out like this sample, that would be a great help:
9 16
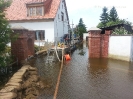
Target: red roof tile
18 10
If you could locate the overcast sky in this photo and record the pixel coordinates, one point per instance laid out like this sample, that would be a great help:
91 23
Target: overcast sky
90 10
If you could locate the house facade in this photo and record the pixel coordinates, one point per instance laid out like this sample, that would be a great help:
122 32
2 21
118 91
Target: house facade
48 18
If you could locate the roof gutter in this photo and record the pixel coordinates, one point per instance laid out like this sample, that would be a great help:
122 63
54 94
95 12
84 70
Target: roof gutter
37 20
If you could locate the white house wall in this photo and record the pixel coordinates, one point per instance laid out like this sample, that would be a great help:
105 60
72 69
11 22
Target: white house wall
47 26
85 35
61 27
120 47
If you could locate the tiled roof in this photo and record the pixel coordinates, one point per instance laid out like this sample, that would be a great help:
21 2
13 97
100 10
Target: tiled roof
18 10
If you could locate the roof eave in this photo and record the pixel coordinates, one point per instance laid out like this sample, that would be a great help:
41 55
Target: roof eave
45 19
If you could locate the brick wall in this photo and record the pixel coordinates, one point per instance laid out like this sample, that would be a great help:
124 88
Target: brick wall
98 44
21 48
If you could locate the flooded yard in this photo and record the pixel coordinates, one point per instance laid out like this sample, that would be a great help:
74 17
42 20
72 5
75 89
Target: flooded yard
84 78
48 73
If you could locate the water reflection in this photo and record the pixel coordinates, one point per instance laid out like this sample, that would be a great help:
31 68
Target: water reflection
96 78
84 77
85 44
97 66
131 66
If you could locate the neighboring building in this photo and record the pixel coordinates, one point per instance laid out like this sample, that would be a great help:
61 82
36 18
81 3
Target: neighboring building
49 18
85 36
125 26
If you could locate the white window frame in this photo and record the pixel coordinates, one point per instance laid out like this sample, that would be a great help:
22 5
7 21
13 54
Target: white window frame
30 11
38 33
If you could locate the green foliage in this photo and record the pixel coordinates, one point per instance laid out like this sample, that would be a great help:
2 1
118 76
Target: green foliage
4 4
6 57
5 32
8 50
76 30
111 19
120 30
111 23
100 25
80 28
113 15
125 22
36 48
104 17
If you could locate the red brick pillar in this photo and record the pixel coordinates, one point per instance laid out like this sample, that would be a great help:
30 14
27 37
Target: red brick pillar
94 43
19 45
105 43
98 44
20 48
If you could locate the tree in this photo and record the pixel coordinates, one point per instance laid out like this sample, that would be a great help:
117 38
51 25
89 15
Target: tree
113 15
104 17
100 25
4 31
111 18
76 31
81 28
125 22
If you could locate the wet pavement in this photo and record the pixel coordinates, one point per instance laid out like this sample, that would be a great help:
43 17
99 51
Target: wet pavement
84 78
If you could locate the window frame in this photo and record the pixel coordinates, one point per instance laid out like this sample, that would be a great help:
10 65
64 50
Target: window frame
40 35
34 11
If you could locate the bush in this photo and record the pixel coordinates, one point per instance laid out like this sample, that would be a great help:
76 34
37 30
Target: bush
36 48
120 30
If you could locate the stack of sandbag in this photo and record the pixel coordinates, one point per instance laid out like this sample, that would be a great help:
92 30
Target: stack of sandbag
24 84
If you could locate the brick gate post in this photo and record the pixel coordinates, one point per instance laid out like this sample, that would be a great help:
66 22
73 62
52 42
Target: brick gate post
94 43
105 43
20 46
98 43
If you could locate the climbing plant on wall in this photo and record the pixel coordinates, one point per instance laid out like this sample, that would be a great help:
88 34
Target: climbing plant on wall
120 30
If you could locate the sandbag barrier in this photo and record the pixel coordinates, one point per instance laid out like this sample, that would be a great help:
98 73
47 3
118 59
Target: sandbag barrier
24 84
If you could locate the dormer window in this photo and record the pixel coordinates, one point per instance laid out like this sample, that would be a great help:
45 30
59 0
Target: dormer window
35 9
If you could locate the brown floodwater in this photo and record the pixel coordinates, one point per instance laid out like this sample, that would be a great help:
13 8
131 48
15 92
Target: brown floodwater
84 78
48 73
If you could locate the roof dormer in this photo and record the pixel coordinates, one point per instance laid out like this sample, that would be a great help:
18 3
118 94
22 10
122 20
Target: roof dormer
35 8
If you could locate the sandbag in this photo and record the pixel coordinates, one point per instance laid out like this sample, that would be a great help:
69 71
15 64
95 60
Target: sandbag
18 86
32 69
8 95
8 89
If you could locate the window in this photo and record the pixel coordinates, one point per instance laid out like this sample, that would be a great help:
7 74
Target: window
58 16
39 10
40 35
35 11
62 16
